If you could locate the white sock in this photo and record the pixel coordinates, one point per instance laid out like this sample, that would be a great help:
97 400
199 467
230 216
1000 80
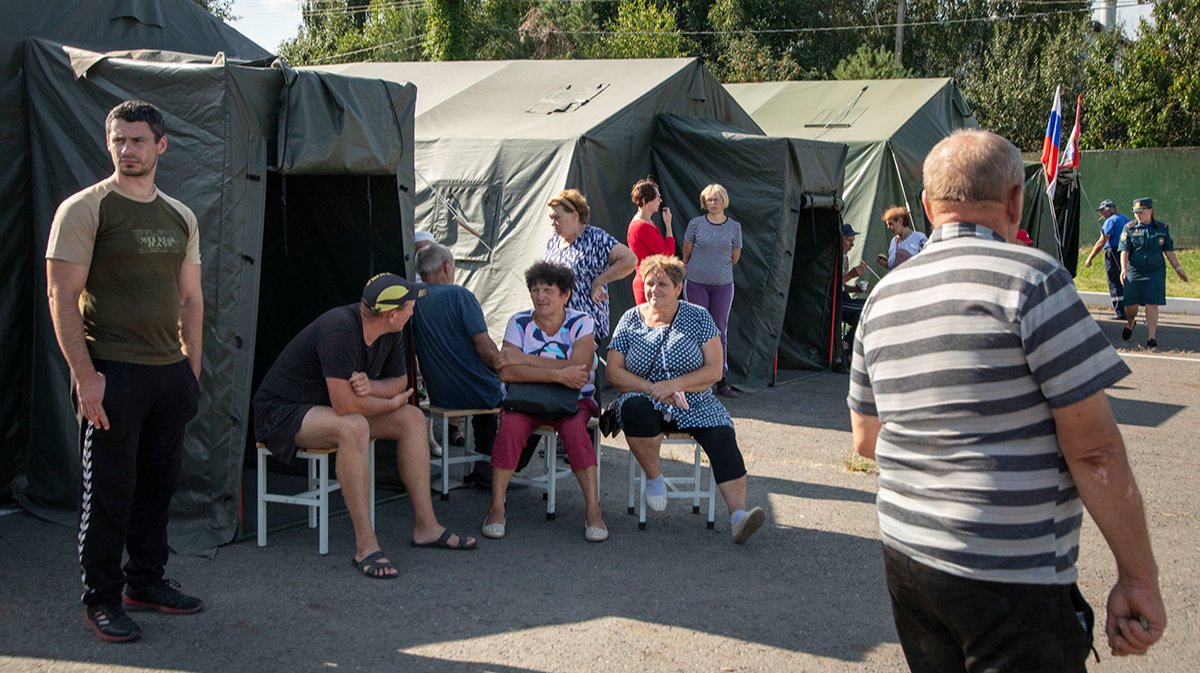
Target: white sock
656 486
736 517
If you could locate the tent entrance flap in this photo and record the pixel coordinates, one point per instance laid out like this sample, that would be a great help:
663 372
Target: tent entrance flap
323 237
810 328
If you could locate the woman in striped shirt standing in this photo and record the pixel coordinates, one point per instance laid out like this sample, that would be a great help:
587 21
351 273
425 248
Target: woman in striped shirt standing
711 246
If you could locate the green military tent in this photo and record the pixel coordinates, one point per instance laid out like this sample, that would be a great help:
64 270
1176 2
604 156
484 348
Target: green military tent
302 185
101 25
889 126
495 140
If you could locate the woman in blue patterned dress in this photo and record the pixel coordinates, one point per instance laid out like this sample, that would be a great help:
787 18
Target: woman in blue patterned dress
595 257
549 344
664 358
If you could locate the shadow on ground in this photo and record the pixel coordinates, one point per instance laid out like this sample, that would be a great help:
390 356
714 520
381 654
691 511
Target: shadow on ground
673 586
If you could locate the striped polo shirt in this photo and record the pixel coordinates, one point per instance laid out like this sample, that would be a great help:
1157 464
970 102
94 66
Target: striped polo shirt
711 262
961 353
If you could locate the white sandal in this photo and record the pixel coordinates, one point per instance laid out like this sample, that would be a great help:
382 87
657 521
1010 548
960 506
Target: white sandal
494 531
594 533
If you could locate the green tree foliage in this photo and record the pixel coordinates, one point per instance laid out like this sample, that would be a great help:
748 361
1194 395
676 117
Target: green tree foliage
644 29
551 29
1137 93
867 63
447 30
222 9
1157 90
740 55
1013 90
341 31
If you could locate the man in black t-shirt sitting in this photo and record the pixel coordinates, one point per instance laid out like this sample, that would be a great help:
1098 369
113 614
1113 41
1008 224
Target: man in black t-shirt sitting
341 381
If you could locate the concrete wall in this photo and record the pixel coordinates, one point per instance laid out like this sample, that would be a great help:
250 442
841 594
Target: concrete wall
1171 176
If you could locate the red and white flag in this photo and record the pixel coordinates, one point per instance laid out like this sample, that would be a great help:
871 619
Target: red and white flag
1051 144
1070 156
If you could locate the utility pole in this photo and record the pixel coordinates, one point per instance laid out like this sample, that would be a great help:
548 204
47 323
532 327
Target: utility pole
900 33
1108 13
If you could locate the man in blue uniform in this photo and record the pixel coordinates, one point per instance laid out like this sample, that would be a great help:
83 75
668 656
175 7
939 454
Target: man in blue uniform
1112 224
1142 246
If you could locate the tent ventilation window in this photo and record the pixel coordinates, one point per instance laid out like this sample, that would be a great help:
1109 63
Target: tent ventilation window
568 98
836 119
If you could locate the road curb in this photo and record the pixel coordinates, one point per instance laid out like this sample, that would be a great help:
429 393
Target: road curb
1173 305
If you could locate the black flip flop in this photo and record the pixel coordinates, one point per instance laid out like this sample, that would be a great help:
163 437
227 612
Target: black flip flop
370 565
443 542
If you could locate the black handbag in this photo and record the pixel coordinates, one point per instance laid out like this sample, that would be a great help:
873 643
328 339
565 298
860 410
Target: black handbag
609 427
543 400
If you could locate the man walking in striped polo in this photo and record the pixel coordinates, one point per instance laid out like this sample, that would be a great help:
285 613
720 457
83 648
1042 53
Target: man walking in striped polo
978 385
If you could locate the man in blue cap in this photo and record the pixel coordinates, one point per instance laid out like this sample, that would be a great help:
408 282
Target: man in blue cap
851 307
341 381
1112 224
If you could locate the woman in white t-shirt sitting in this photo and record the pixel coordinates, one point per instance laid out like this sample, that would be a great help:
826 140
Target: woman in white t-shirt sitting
906 242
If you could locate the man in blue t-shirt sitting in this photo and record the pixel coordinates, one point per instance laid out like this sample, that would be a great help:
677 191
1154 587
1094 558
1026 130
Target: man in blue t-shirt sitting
1112 224
457 356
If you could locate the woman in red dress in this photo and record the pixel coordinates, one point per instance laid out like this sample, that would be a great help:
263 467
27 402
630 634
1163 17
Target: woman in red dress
644 237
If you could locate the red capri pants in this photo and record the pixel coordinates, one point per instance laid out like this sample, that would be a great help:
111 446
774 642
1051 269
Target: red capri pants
516 427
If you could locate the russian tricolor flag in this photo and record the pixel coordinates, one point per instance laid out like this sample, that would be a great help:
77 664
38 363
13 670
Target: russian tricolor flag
1052 142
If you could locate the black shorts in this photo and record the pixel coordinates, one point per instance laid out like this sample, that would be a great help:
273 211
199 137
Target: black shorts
276 424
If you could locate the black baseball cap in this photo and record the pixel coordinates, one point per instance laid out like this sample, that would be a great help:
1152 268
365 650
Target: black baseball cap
387 291
1107 203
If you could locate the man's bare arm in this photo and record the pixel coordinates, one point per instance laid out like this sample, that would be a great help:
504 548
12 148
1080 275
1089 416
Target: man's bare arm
191 315
345 401
486 348
1095 453
866 432
64 284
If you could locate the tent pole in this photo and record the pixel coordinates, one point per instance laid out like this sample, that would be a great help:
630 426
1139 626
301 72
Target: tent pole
900 179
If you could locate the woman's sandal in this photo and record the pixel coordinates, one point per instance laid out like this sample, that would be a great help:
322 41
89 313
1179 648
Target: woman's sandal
373 567
443 542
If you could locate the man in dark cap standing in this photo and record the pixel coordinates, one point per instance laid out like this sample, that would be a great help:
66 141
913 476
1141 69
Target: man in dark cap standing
342 381
1112 224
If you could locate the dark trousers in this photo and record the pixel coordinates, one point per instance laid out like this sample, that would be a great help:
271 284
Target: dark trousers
129 474
851 311
948 623
1112 269
639 418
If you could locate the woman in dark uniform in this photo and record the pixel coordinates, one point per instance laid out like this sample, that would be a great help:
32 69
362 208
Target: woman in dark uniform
1143 244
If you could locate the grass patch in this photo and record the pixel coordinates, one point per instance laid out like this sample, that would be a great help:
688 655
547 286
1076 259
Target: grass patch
1092 279
856 463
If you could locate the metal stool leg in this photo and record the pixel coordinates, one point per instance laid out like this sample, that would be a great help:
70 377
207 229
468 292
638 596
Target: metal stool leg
313 482
262 500
632 480
551 474
323 533
371 467
696 480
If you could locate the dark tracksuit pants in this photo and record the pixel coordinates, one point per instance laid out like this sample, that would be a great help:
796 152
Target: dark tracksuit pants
129 474
1116 289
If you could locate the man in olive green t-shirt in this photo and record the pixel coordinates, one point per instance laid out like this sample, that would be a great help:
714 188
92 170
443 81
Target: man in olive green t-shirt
123 272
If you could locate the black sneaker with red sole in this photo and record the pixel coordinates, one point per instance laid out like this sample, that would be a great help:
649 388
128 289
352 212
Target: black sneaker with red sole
111 624
164 597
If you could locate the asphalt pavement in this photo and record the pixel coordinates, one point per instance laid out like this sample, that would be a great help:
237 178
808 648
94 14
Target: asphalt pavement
805 594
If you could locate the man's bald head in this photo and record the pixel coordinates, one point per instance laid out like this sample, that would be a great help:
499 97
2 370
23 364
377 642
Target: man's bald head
974 175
